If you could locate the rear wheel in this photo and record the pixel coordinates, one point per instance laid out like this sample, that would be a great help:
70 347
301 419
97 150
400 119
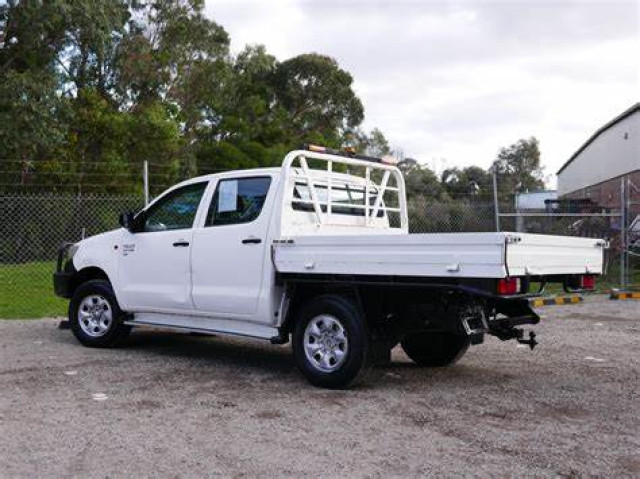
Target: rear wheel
94 315
331 343
435 349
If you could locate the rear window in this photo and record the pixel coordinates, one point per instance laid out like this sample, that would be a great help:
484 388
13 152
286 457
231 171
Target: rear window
345 199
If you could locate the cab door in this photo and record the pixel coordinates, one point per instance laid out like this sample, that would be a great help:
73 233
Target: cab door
229 250
154 270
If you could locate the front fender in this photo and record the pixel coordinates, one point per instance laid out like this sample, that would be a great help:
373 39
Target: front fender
100 252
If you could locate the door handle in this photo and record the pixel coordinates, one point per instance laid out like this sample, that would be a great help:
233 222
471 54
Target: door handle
182 244
251 241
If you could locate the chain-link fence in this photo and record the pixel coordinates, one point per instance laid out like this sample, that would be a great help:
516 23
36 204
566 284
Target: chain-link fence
32 227
632 235
426 216
604 225
458 217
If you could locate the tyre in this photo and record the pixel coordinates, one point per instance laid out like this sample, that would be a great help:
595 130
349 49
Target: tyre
331 342
435 349
94 315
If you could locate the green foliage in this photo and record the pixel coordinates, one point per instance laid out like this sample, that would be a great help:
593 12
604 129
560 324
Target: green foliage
32 35
92 33
421 182
35 225
30 116
88 90
248 112
427 216
518 168
467 182
377 144
317 96
374 144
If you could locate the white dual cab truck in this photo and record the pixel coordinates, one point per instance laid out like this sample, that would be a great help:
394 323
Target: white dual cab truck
316 252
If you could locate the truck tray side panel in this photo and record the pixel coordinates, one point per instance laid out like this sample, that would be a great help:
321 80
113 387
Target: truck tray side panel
435 255
463 255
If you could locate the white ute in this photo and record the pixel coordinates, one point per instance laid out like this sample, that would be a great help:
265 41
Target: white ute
317 252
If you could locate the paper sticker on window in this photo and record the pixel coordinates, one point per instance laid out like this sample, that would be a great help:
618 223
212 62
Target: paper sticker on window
228 196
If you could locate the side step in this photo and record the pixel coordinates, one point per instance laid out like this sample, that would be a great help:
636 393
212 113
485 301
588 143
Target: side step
204 325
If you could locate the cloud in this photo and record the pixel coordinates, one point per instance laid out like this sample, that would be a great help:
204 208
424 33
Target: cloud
460 79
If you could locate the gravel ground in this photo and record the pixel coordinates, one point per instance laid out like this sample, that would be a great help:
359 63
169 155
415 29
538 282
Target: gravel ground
174 404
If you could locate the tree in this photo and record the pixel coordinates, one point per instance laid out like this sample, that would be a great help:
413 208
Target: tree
518 168
318 97
32 115
374 144
92 32
33 122
249 110
420 181
141 70
191 53
31 35
90 89
377 144
467 183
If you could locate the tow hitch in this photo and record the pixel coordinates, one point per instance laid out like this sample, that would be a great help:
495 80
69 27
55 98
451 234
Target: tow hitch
506 334
531 341
517 312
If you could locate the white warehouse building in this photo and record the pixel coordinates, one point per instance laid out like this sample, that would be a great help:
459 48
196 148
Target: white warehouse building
611 154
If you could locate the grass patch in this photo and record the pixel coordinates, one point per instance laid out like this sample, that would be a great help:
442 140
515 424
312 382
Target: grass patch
26 291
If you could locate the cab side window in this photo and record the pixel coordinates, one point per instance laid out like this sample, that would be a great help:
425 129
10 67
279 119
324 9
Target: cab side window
237 201
176 210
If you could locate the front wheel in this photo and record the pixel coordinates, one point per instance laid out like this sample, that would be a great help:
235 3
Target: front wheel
435 349
331 343
94 315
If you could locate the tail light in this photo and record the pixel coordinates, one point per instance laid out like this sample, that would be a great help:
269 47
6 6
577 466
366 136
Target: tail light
583 282
509 286
588 281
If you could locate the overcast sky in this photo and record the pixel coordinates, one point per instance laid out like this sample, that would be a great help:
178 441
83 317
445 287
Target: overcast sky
450 82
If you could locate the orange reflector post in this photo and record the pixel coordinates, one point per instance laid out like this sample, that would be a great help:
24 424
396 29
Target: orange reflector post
316 148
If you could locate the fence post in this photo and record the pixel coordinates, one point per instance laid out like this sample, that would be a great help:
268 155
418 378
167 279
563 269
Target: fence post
496 209
145 179
631 214
623 235
519 217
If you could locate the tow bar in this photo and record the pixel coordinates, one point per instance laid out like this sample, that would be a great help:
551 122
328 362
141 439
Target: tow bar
531 341
517 312
505 334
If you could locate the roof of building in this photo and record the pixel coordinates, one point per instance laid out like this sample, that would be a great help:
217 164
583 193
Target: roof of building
536 192
601 130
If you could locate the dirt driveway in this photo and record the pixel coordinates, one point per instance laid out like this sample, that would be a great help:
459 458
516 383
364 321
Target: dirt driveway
173 404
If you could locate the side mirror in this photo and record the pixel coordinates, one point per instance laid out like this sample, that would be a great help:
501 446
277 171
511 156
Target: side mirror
126 221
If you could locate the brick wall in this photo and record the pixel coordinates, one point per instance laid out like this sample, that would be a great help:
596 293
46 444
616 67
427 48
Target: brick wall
607 193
